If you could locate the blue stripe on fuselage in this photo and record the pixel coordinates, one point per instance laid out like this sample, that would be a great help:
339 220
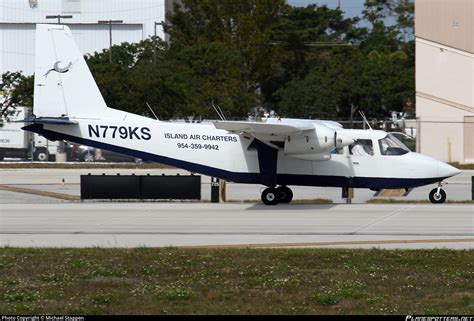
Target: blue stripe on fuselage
246 178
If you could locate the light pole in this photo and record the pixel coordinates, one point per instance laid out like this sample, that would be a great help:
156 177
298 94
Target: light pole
59 17
154 40
110 22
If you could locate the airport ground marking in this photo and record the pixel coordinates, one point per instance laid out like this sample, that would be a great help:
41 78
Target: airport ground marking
61 196
386 217
307 244
392 192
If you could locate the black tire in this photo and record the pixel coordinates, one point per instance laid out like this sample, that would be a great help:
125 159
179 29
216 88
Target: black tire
437 198
286 194
270 196
41 155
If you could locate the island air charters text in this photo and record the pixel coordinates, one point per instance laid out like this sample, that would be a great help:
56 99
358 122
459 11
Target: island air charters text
198 141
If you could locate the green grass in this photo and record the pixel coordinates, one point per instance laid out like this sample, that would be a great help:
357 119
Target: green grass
231 281
462 166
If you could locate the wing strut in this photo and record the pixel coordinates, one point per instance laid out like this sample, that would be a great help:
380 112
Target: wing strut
267 161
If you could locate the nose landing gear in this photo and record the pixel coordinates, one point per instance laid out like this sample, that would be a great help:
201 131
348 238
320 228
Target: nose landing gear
438 195
273 196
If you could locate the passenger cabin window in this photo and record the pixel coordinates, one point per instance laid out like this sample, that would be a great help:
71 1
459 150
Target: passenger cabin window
362 147
390 146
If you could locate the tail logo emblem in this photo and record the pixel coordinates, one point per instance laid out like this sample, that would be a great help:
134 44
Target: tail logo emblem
59 69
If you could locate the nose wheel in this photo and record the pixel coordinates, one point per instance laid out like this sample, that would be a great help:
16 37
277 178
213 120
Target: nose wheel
273 196
437 195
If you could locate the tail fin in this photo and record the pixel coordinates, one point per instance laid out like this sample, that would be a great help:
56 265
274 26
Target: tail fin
64 86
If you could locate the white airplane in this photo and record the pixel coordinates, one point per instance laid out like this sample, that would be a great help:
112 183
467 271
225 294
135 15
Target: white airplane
276 153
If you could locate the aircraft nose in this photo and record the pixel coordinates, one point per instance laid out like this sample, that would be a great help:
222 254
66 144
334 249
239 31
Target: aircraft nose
446 170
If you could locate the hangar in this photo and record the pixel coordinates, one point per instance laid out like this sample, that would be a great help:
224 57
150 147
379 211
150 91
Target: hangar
444 31
18 24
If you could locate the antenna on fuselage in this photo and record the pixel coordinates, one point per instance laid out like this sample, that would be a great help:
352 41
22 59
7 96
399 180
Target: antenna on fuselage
151 109
219 111
365 119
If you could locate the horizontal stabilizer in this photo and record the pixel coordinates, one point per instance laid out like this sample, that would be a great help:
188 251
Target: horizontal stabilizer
50 121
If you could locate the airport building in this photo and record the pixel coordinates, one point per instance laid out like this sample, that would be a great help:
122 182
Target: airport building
19 17
444 31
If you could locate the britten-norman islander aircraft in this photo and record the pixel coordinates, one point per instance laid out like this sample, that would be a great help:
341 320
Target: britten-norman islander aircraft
276 153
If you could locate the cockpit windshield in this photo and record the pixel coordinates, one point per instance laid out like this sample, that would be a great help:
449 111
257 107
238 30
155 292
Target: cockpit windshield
391 146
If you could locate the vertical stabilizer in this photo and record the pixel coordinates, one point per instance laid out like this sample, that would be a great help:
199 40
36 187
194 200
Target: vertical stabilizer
64 86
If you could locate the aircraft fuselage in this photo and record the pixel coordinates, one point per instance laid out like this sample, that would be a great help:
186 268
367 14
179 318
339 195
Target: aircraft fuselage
201 148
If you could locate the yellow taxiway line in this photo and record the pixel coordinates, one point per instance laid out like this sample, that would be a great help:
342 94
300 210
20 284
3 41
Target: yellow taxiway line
62 196
305 244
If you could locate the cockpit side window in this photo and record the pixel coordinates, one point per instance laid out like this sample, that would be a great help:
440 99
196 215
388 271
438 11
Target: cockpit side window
390 146
362 147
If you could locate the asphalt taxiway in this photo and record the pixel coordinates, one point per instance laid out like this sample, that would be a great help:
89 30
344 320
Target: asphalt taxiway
51 180
237 225
39 220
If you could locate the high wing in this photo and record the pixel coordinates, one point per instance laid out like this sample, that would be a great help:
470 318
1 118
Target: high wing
272 127
299 138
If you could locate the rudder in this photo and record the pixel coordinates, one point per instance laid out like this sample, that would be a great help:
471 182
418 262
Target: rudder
64 86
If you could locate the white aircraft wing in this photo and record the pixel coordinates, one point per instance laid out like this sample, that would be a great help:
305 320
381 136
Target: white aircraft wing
268 128
304 139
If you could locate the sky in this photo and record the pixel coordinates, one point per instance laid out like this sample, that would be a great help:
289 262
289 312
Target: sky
352 8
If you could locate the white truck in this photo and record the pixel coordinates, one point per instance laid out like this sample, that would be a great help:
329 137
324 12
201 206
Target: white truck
44 150
17 143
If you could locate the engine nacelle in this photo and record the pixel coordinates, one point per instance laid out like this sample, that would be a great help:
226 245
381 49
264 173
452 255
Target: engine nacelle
342 139
318 143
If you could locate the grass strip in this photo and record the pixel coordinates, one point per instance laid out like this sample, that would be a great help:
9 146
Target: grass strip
462 166
236 281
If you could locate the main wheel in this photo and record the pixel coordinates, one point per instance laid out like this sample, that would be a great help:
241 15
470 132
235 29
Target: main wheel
437 198
41 155
270 196
286 195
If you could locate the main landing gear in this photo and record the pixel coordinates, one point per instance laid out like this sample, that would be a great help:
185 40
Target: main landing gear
273 196
438 195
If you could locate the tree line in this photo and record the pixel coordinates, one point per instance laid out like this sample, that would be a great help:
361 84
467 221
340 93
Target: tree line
302 62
